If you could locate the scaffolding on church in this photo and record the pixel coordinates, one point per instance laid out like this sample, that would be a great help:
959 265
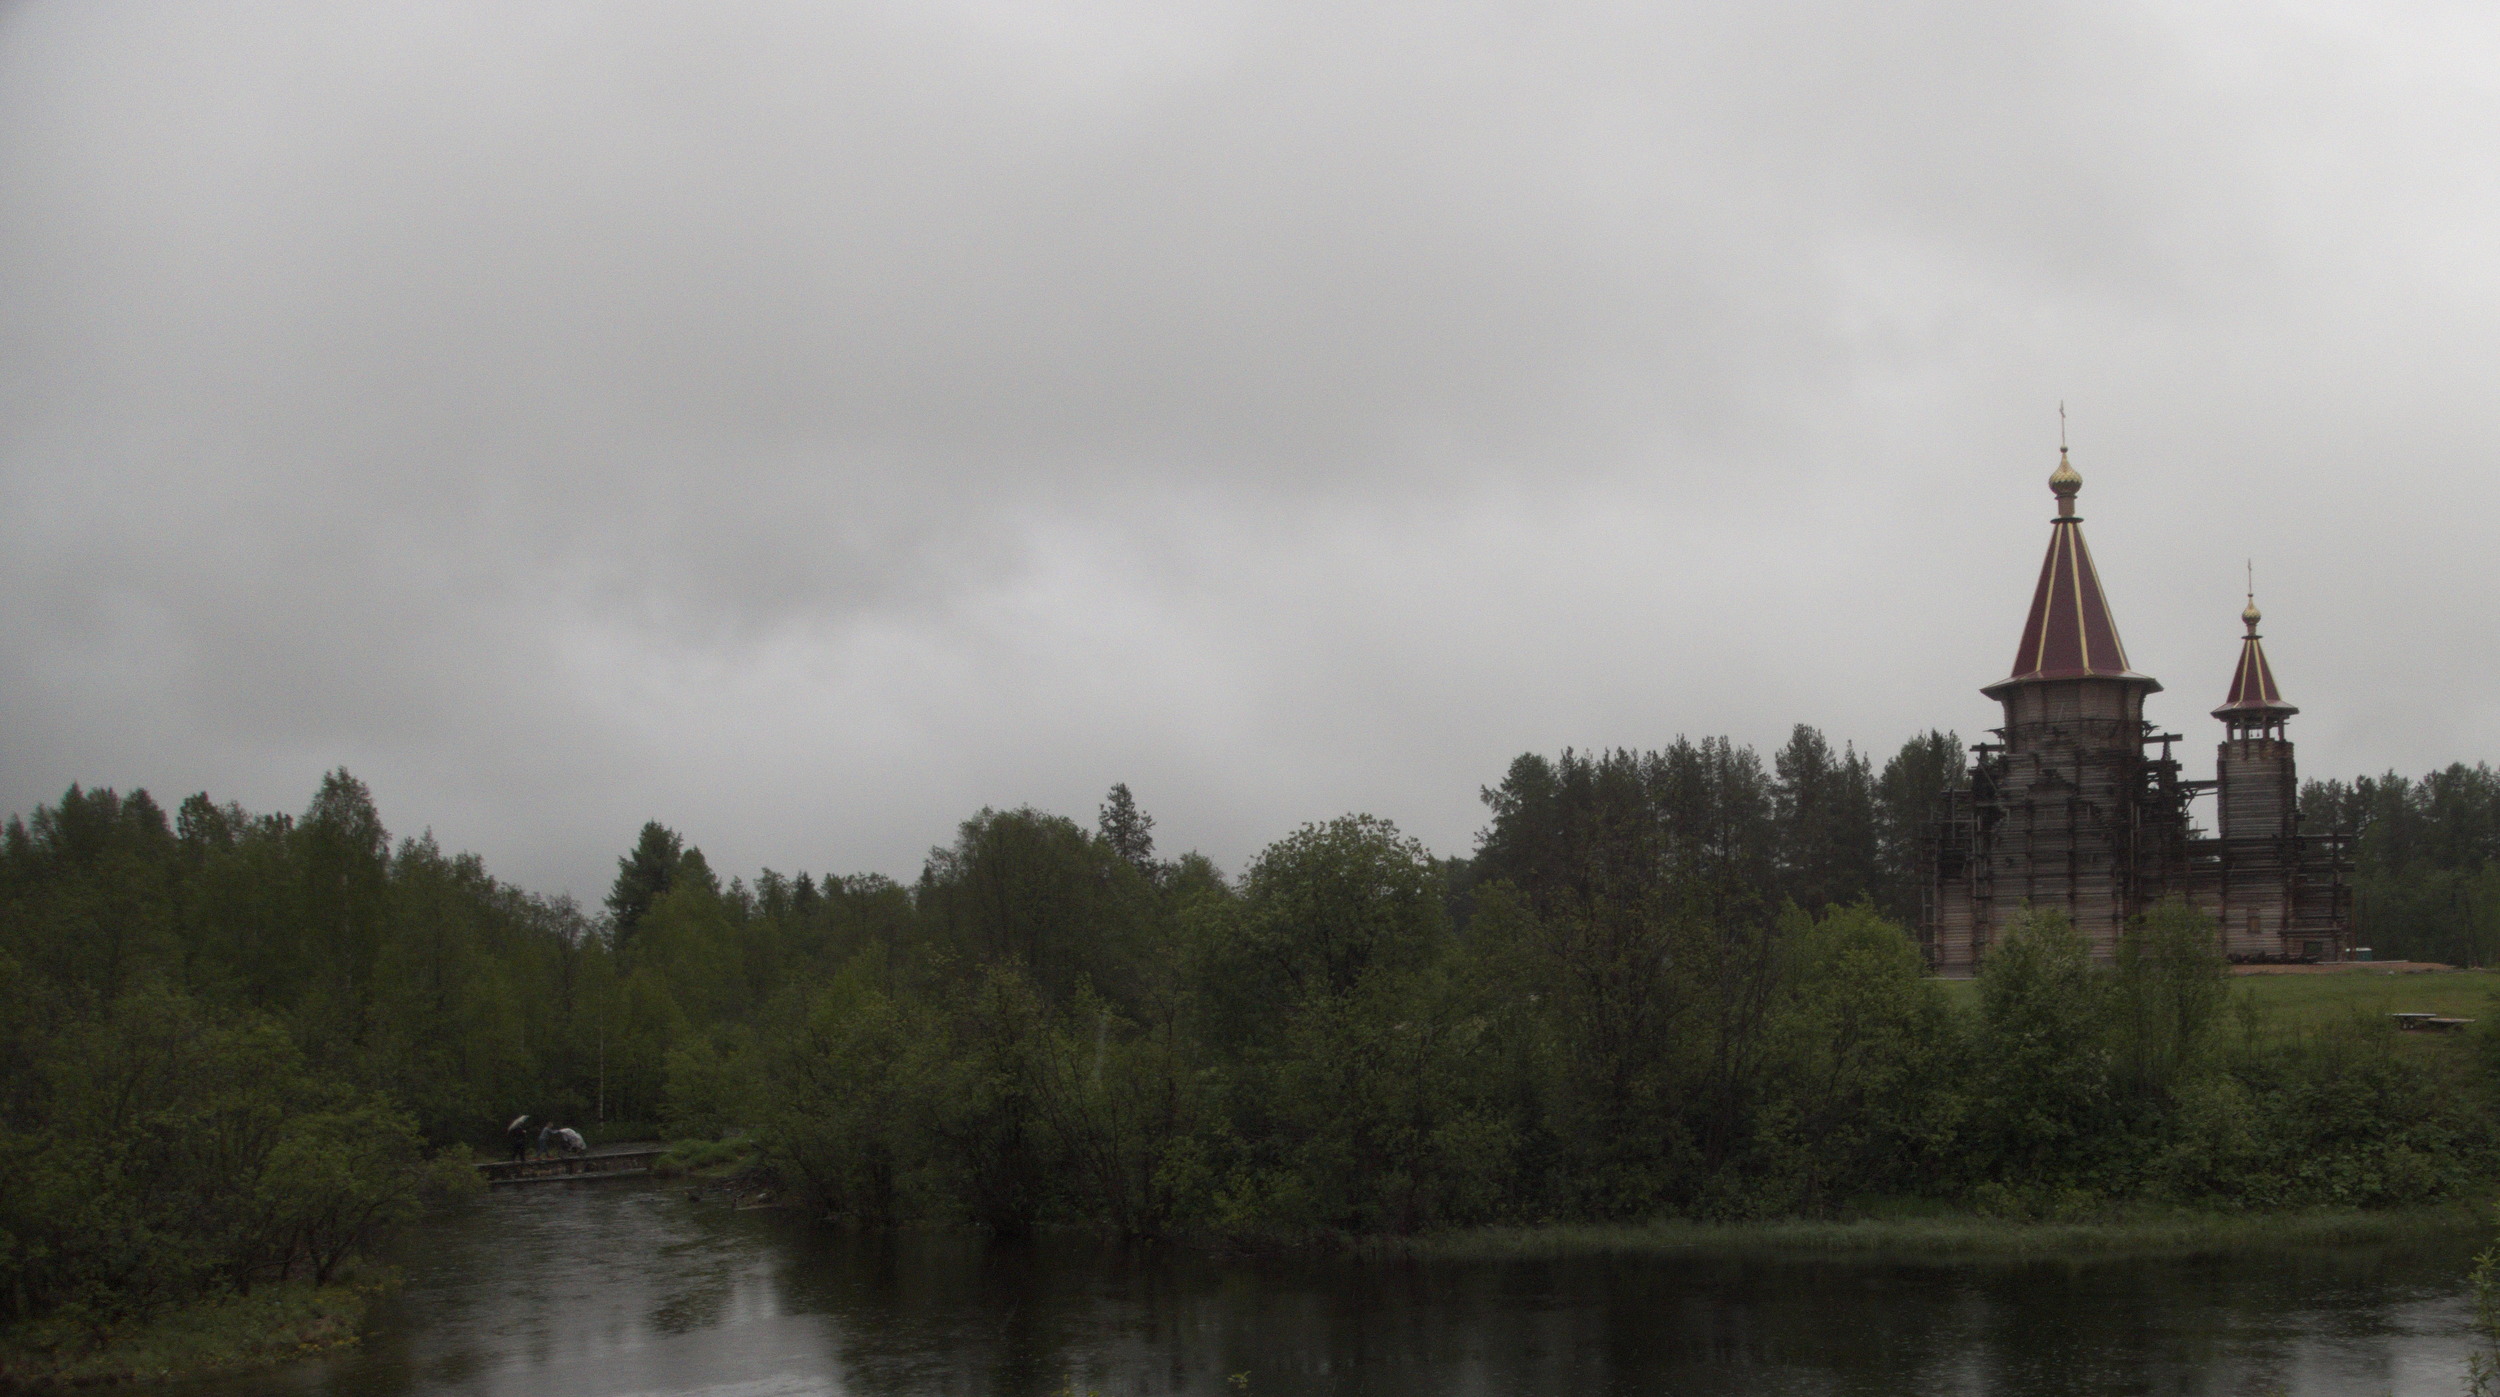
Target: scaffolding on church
2080 805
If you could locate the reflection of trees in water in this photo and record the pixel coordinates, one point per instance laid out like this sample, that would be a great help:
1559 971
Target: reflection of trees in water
716 1267
958 1315
619 1287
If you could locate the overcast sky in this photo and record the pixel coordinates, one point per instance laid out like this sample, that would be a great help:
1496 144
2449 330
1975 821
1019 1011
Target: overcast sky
807 424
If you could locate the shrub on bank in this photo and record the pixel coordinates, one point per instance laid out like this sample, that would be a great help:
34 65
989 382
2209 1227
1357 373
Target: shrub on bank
701 1156
216 1333
1503 1079
155 1159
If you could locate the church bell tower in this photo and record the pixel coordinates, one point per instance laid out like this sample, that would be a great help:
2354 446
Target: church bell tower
2257 795
2279 894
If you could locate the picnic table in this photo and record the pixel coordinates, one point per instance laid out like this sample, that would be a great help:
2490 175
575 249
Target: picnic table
2428 1023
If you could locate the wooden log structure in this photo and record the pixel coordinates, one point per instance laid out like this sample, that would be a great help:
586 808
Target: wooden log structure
2079 805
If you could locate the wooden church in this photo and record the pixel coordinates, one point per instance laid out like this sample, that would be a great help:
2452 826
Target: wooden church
2079 805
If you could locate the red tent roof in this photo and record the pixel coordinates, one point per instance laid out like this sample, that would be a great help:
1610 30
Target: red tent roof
2069 634
2254 699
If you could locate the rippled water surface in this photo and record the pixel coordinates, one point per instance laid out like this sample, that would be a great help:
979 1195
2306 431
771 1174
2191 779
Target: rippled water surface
629 1287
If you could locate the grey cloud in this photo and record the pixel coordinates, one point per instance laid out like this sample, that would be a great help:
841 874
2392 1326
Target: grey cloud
808 423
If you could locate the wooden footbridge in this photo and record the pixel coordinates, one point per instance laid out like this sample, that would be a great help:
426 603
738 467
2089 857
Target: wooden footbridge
615 1161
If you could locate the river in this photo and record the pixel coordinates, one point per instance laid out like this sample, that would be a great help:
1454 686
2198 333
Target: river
628 1287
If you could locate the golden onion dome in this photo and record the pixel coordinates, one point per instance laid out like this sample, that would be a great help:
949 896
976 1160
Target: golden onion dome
2065 480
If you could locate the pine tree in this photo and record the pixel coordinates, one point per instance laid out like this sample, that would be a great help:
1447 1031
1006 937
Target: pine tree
1907 798
641 876
1128 830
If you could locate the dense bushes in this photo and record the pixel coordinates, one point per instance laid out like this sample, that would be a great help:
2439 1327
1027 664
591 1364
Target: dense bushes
1333 1055
152 1156
208 1046
2118 1082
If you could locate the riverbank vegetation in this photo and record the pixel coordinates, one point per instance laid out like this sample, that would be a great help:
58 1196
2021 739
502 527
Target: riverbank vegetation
1925 1232
706 1158
1664 984
1616 1010
175 1148
219 1331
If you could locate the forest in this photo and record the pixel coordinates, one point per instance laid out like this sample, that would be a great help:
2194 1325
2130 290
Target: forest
2426 882
238 1048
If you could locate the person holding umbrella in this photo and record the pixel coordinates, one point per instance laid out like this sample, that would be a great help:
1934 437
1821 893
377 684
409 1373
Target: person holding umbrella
519 1135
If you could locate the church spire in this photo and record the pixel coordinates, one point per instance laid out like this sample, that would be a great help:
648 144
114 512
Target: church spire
2255 707
2069 634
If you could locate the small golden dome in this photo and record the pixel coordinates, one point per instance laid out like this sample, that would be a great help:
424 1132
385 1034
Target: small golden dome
2065 480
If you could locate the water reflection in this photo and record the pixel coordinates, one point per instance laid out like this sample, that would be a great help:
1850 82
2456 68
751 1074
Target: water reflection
627 1288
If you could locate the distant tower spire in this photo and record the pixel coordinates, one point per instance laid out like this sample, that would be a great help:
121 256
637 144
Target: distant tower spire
2255 707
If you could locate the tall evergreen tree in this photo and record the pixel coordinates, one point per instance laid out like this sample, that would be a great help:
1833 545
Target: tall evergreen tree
1128 830
643 875
1714 801
1907 797
1825 806
343 860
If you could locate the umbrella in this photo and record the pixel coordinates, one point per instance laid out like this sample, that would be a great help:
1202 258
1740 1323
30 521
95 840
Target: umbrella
518 1122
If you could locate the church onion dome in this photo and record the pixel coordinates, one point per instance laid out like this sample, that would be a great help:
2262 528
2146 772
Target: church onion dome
2255 702
2065 482
2070 634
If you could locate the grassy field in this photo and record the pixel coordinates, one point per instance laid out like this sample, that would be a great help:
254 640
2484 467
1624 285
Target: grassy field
2309 1000
2291 1003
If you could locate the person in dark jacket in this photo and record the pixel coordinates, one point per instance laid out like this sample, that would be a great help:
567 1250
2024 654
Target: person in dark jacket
517 1135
